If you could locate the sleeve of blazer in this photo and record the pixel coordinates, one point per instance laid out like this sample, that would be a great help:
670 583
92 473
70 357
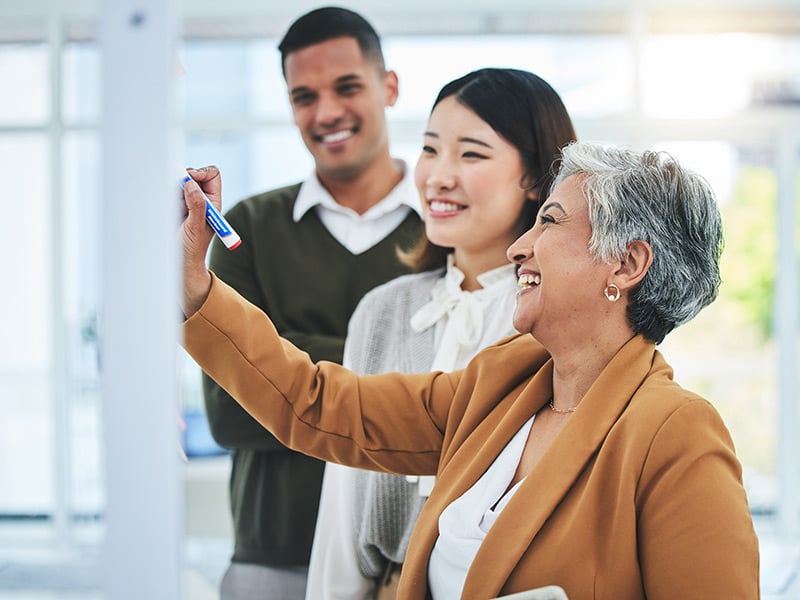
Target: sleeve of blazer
389 422
696 533
230 424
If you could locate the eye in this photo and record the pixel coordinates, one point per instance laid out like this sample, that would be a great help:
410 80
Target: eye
475 155
546 219
428 150
348 89
303 99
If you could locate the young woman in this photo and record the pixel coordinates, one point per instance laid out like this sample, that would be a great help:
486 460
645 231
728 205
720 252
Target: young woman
488 147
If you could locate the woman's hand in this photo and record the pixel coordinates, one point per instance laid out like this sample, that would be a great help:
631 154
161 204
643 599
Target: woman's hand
197 235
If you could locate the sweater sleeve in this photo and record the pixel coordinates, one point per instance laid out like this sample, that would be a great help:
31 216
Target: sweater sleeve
695 530
387 422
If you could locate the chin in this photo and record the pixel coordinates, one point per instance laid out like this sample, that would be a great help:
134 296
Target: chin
436 236
520 325
342 171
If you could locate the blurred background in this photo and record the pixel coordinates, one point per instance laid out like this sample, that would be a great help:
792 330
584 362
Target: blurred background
714 82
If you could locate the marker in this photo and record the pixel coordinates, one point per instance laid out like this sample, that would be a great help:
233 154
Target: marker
218 223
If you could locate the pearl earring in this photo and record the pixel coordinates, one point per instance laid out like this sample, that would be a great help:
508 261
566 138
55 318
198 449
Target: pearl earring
612 292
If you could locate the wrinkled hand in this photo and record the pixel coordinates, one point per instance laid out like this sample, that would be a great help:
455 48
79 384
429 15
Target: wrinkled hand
197 235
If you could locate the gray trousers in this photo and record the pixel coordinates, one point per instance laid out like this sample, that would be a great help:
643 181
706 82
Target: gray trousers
258 582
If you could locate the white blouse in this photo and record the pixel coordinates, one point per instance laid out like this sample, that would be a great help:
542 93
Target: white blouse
463 323
460 331
465 522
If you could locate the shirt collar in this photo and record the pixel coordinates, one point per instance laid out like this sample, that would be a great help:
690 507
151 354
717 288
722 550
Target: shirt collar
489 279
312 193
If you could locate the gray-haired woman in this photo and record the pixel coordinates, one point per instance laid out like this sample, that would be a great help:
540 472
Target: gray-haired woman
566 455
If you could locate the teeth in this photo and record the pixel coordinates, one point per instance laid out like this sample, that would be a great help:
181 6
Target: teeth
337 137
440 206
527 280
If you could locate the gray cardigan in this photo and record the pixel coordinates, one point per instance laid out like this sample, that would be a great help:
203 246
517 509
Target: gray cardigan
380 339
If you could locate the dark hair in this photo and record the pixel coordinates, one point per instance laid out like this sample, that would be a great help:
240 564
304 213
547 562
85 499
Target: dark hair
323 24
528 113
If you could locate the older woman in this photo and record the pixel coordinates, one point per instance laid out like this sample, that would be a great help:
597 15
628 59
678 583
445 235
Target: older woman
566 455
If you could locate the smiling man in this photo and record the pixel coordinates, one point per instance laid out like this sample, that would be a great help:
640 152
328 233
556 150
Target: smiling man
335 236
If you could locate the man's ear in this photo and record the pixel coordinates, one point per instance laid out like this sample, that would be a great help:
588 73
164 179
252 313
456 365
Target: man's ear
392 87
634 266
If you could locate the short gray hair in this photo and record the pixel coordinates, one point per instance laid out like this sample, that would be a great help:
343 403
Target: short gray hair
648 196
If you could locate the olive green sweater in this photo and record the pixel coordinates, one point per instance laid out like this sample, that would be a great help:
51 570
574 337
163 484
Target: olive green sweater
309 285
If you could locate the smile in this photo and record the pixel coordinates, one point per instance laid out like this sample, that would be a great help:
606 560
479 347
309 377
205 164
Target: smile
336 137
445 207
527 280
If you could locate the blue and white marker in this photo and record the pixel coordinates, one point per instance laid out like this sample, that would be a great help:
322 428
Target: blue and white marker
218 223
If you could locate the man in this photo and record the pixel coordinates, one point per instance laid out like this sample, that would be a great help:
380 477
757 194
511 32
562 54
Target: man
310 251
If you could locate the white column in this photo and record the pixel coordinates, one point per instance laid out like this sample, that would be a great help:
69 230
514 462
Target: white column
787 300
59 379
139 311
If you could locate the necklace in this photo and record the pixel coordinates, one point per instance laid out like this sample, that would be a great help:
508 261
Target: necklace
560 411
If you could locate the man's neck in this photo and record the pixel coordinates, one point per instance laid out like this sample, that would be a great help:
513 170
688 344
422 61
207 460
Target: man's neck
364 191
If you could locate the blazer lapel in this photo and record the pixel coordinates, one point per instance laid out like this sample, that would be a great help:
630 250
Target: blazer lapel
464 465
551 479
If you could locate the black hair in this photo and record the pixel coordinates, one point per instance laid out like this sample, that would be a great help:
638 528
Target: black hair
528 113
323 24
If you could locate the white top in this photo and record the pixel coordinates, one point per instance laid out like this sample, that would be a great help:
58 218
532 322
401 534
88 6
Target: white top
386 313
465 522
463 324
359 233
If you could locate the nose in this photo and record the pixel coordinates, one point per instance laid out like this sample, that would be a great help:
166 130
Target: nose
440 177
440 183
329 109
522 248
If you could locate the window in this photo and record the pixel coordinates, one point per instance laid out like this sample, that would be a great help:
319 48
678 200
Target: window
242 123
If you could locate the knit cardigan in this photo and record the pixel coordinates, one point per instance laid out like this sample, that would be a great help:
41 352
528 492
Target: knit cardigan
381 339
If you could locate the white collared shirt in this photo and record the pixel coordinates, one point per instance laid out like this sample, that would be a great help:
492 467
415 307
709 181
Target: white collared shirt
359 233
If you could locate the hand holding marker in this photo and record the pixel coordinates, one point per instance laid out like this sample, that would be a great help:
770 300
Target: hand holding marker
218 223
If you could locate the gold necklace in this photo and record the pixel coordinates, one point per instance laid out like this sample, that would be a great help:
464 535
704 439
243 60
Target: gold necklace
560 411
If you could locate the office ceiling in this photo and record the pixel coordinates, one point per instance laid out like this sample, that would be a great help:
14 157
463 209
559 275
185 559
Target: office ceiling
271 17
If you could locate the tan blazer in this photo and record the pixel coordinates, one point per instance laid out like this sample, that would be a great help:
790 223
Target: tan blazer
640 495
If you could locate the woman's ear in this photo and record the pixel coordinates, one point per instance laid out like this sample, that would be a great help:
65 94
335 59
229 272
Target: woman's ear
634 266
532 194
531 187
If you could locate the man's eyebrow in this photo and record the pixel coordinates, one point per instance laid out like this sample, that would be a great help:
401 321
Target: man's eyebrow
349 78
301 89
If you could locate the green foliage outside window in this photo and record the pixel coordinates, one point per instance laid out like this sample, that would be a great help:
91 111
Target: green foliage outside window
750 259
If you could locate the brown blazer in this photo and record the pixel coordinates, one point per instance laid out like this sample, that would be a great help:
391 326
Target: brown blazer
640 495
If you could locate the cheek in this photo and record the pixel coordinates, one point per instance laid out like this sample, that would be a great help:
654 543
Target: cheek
371 112
303 118
505 201
498 183
420 176
480 186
